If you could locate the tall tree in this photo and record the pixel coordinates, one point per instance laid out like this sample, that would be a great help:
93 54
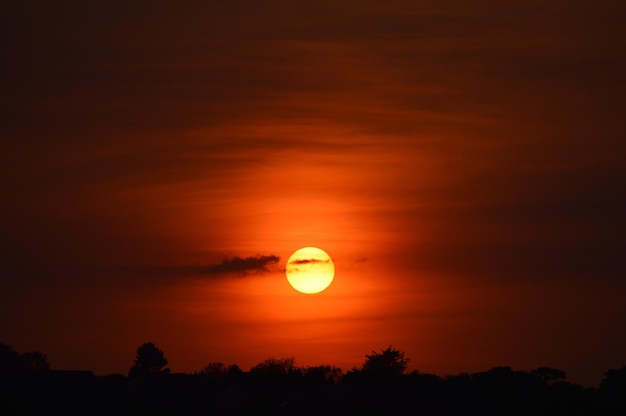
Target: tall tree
149 361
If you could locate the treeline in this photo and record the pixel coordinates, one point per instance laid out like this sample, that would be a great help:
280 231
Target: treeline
382 385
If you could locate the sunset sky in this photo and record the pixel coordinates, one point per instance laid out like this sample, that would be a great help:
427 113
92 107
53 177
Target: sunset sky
462 162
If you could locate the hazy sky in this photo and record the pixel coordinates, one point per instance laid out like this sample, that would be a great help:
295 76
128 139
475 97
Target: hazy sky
462 162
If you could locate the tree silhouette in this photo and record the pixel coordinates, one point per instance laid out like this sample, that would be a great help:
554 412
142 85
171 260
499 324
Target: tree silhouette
214 370
276 367
149 361
613 389
12 362
614 381
388 361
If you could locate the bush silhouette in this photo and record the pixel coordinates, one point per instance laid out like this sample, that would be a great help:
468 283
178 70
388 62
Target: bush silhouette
35 361
327 374
549 375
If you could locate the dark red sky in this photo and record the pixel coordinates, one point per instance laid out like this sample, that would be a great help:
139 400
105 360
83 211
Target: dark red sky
462 162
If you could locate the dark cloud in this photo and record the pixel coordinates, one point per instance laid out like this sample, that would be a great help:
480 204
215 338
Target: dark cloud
243 265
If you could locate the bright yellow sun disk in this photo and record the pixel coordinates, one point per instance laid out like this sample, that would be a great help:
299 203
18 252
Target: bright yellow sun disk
310 270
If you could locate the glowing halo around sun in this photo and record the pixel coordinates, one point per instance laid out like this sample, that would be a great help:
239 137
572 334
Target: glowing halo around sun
310 270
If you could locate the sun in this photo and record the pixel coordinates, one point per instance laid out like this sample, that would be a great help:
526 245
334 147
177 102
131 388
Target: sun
310 270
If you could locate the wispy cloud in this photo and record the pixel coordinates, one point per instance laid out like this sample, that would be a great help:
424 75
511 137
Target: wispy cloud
309 261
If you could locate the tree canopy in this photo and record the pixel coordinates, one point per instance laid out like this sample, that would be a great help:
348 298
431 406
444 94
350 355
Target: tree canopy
389 360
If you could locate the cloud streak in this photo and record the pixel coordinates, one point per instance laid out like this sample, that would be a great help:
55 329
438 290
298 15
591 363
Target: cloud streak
230 266
309 261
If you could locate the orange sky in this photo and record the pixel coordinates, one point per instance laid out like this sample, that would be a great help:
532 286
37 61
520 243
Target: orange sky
463 164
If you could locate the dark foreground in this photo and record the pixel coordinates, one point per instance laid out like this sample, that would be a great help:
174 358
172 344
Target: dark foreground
279 389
